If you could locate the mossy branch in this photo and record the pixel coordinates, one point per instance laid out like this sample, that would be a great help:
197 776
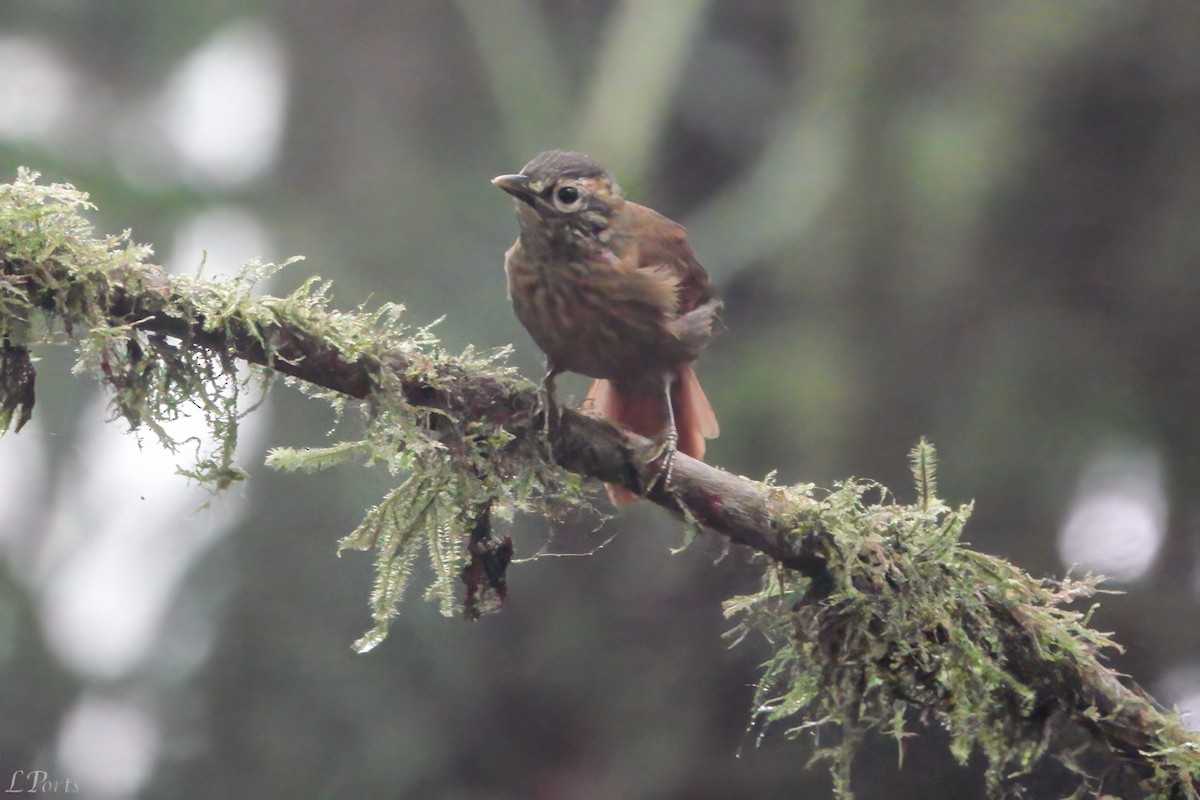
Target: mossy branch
877 615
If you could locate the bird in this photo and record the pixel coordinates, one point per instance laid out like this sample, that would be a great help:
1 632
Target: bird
612 290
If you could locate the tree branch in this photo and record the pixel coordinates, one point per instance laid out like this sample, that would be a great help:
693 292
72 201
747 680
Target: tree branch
879 597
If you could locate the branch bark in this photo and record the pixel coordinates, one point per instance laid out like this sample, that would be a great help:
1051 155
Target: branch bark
1089 694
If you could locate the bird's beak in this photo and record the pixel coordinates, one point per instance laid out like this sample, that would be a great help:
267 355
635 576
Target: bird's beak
516 185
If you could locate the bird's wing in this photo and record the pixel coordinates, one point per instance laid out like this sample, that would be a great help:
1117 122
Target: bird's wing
662 243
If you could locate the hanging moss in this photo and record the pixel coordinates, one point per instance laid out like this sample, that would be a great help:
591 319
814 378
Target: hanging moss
166 346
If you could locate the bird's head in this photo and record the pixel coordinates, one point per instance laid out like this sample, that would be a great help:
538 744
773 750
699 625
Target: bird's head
561 192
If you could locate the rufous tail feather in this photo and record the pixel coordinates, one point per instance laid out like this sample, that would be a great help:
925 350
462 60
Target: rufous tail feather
642 410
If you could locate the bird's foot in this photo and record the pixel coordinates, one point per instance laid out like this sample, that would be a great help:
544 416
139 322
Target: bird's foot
655 471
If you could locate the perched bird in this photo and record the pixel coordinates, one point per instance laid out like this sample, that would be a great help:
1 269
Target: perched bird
612 290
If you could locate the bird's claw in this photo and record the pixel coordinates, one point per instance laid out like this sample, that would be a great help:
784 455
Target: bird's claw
656 469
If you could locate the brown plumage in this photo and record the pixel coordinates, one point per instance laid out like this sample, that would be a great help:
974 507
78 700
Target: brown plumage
611 289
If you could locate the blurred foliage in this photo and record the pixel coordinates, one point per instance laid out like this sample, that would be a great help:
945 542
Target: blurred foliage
972 221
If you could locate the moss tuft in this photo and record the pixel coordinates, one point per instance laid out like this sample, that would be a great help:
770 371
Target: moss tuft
904 624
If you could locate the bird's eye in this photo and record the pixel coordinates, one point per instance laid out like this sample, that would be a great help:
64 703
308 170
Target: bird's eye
567 196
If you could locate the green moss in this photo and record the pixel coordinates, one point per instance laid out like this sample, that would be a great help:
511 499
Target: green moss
904 624
166 346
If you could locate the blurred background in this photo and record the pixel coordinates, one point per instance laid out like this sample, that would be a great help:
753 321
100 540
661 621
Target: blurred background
972 221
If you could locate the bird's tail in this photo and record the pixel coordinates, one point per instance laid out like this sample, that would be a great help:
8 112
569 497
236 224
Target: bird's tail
642 409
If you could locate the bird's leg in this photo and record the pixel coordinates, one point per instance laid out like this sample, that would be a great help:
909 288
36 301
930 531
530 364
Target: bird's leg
658 468
551 415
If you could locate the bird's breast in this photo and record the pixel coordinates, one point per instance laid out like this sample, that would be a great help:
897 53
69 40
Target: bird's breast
580 312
